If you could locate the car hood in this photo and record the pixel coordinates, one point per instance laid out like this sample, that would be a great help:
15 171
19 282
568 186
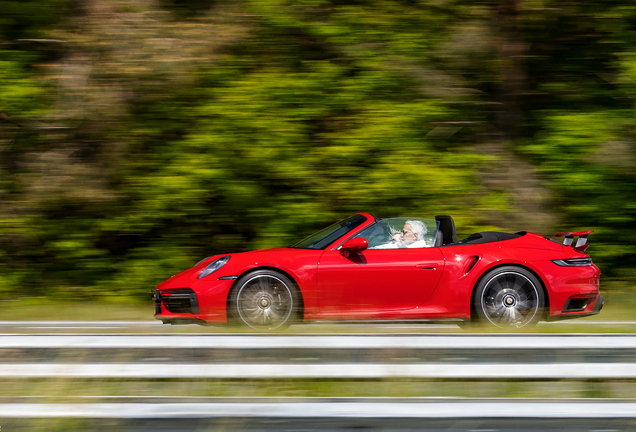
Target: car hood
238 263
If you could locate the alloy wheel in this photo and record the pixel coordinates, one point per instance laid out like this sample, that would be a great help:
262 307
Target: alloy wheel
510 299
265 302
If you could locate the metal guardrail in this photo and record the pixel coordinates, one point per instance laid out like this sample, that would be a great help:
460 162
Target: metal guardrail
463 371
341 409
452 357
338 342
457 357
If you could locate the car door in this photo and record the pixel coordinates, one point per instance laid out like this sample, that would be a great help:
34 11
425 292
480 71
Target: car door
377 280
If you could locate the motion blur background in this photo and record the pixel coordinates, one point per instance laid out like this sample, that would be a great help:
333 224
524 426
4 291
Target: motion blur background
139 136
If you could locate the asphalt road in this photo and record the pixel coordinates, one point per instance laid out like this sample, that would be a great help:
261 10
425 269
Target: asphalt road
342 326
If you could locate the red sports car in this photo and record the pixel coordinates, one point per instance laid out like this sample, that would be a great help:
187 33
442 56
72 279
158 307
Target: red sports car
366 268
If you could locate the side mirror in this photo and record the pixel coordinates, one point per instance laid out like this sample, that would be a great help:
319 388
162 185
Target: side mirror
357 244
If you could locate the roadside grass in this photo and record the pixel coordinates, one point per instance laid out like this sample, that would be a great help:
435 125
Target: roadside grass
100 390
41 309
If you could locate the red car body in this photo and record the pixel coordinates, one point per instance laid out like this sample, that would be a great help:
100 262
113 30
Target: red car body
434 283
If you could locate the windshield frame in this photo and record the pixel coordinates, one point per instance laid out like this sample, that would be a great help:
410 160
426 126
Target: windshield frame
322 239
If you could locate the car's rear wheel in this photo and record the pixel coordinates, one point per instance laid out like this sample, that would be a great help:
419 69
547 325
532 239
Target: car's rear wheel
264 300
509 297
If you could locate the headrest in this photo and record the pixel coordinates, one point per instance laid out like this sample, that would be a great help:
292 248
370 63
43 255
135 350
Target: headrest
447 228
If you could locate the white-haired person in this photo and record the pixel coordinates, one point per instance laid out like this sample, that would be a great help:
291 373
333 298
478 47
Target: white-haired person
413 235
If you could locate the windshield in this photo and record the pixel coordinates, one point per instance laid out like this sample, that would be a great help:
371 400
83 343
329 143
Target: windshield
398 233
324 238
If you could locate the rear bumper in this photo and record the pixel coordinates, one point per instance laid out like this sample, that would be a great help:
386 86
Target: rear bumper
592 310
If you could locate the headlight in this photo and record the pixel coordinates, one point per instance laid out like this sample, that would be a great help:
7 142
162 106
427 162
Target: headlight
573 262
214 266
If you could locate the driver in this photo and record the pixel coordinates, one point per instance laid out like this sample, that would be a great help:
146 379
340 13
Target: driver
413 235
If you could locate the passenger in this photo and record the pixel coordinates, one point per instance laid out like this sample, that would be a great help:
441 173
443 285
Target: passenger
413 235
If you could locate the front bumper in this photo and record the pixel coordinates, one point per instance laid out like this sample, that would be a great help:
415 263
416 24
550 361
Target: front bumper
176 306
177 301
205 303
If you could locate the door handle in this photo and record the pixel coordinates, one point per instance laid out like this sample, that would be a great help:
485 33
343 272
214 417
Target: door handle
426 266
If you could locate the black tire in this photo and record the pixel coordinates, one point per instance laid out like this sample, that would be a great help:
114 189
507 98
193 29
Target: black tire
264 300
509 297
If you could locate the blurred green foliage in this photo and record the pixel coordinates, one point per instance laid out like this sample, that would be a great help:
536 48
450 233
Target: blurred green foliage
138 136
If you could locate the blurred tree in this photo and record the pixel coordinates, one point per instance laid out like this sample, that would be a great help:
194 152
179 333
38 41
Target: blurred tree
24 21
137 136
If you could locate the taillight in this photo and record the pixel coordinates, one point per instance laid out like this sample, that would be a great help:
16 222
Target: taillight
573 262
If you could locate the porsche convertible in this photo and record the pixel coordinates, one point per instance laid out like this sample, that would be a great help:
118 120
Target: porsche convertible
367 268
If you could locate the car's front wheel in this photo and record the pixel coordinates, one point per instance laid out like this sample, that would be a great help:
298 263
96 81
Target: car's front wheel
509 297
264 300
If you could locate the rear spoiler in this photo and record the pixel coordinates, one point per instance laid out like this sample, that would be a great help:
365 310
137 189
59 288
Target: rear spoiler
580 243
